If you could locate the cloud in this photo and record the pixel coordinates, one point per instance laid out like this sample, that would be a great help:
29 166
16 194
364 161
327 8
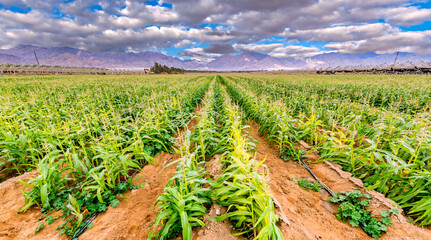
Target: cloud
220 48
341 33
258 47
407 15
154 37
199 54
99 36
280 50
295 52
224 26
417 42
195 12
184 43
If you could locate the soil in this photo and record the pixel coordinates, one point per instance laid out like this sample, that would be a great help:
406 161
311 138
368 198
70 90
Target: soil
304 214
215 229
131 219
309 214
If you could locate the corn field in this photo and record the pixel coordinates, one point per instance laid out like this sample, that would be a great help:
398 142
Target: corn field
86 137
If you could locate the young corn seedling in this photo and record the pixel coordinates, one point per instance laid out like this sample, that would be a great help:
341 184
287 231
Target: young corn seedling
242 188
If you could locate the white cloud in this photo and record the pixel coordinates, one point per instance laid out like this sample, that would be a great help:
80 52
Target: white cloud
345 25
295 52
416 42
407 15
279 50
341 33
183 43
258 47
199 54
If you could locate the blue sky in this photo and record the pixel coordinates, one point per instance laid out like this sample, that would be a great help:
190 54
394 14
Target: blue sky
205 29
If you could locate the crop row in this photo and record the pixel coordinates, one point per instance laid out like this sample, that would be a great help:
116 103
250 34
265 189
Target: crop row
85 156
390 154
37 118
403 96
240 187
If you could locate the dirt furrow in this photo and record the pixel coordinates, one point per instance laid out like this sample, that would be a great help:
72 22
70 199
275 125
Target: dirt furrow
131 219
309 213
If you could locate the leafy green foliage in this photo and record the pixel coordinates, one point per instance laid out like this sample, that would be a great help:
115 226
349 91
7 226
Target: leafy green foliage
182 204
353 209
40 227
304 183
371 131
241 187
158 68
288 153
87 140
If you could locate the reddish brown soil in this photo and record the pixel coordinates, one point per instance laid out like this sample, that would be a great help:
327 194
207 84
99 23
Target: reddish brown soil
131 219
305 214
215 229
309 214
12 224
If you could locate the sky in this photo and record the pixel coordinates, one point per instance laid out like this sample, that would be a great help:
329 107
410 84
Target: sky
205 29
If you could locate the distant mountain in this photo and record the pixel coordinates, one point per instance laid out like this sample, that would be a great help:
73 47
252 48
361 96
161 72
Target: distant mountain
246 61
343 60
6 58
66 56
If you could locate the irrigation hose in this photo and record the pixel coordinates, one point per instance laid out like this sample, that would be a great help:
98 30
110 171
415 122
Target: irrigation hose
94 215
317 179
361 224
82 228
167 161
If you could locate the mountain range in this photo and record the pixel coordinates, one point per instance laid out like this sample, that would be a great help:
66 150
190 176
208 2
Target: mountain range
246 61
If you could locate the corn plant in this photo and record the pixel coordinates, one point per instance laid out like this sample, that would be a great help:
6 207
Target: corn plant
387 149
241 187
184 199
90 152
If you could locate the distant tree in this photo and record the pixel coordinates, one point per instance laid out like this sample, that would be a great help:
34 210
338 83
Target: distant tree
158 69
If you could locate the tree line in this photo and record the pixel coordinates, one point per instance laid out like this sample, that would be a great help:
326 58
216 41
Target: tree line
158 68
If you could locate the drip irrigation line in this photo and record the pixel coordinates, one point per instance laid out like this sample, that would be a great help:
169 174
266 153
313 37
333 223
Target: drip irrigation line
317 179
94 215
361 224
82 229
167 161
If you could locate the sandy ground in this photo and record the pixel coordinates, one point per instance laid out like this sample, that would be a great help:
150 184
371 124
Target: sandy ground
215 229
307 214
131 219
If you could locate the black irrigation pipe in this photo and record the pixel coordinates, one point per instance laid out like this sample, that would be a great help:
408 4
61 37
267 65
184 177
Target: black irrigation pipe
94 215
361 224
318 180
82 229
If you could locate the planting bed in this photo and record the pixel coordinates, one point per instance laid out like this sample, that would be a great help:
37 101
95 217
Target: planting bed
215 157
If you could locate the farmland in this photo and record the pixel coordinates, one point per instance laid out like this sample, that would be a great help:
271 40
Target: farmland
215 157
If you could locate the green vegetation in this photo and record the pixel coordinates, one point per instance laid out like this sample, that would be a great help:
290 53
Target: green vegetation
185 197
183 201
241 187
85 139
352 208
368 130
85 136
158 68
304 183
